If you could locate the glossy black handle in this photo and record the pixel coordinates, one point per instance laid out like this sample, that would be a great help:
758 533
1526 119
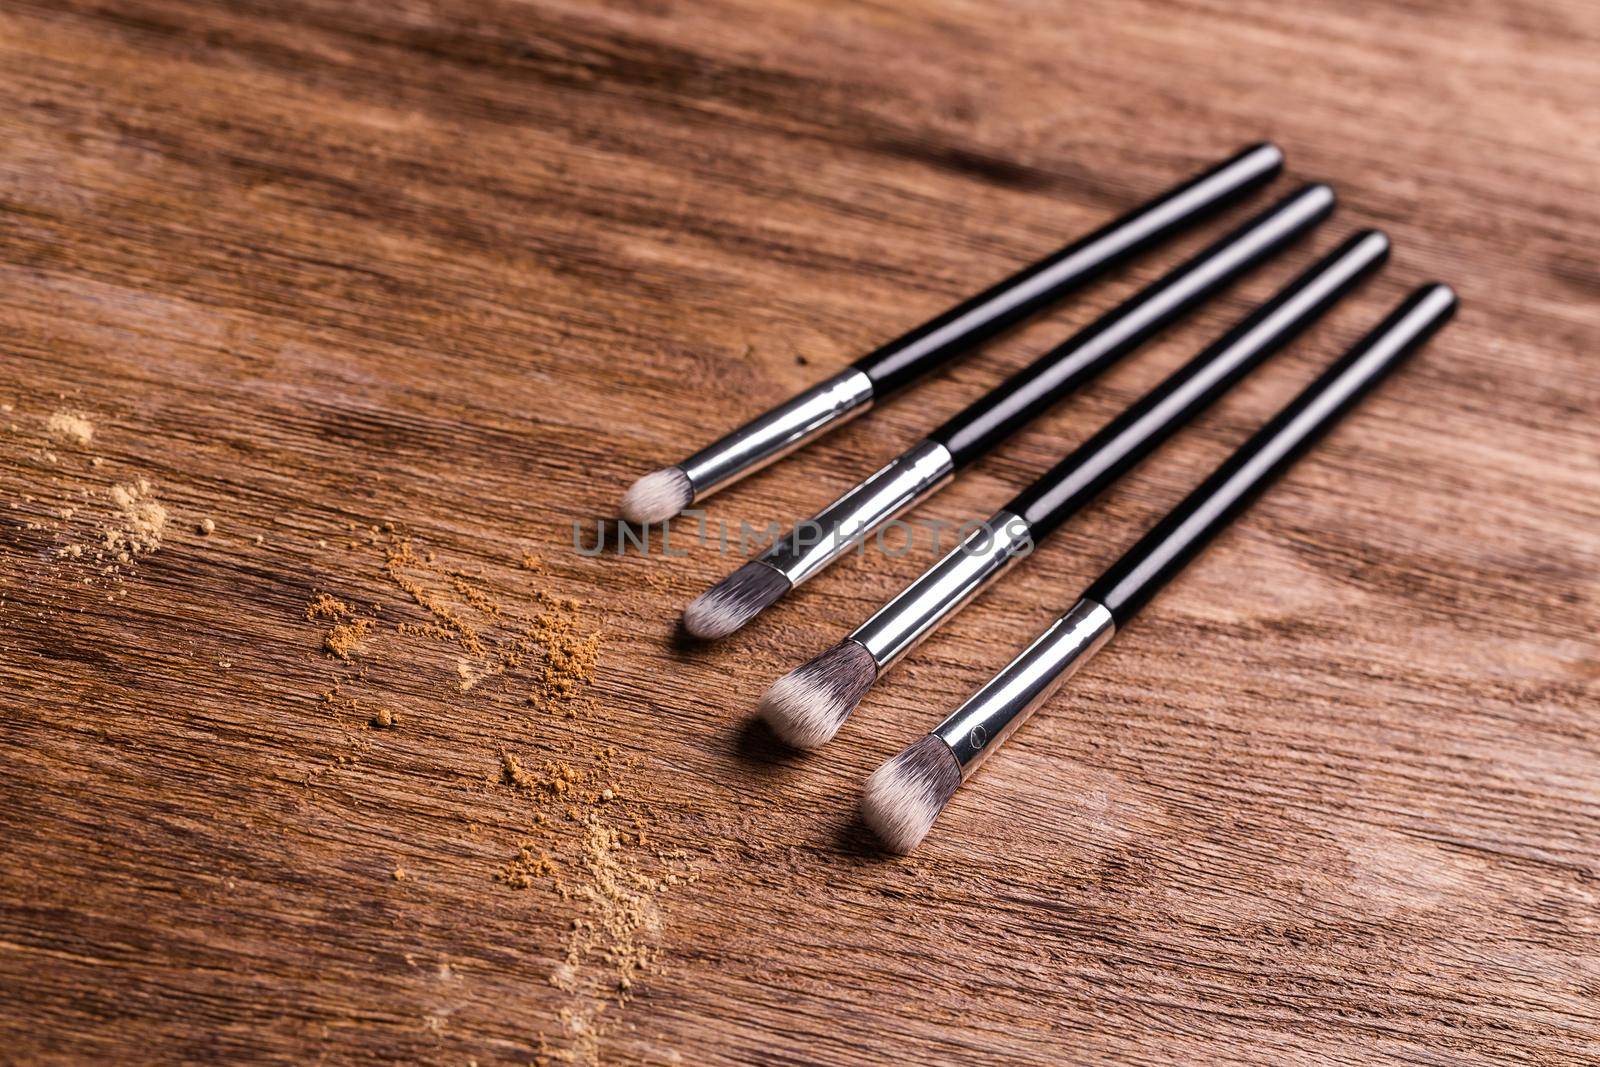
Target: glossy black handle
1176 539
1025 395
936 342
1160 413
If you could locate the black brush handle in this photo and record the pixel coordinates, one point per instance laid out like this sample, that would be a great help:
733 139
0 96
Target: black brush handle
935 343
1179 537
1025 395
1160 413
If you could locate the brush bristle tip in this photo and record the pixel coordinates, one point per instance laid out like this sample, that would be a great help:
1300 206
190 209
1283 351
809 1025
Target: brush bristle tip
658 496
734 601
903 797
806 707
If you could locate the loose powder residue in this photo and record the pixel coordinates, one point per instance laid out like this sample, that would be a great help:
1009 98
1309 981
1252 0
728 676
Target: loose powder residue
100 527
496 638
70 428
140 520
326 606
584 844
348 628
469 673
343 638
590 846
623 924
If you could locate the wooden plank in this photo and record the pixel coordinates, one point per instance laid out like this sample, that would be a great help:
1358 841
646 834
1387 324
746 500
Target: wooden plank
396 295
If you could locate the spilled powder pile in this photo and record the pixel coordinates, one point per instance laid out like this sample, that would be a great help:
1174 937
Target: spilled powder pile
109 526
616 935
342 639
348 628
622 923
326 606
582 843
70 428
139 522
497 638
569 657
586 847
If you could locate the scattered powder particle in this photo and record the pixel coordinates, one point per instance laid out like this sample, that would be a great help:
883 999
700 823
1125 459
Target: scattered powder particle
575 842
398 561
400 874
140 521
469 674
70 428
474 596
556 779
584 1030
622 925
343 638
207 527
511 772
527 868
260 540
326 606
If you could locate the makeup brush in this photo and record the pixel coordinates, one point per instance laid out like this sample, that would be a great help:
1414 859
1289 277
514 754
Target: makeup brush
807 706
662 494
984 424
903 797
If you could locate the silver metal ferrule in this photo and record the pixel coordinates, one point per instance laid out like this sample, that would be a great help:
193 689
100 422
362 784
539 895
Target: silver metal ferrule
845 523
981 557
775 434
981 725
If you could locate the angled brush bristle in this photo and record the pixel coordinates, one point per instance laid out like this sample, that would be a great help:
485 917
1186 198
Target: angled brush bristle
807 706
657 496
734 601
904 796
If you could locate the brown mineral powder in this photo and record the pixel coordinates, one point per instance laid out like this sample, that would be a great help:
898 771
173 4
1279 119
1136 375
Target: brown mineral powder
140 520
343 638
70 428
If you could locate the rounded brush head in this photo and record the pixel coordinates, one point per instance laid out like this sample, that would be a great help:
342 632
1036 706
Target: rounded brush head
904 796
806 707
734 601
657 496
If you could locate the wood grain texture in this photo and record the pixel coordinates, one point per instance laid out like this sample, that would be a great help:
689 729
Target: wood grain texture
470 267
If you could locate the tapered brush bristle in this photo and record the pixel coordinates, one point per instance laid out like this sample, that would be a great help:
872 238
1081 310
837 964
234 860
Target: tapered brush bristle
734 601
903 797
657 496
807 706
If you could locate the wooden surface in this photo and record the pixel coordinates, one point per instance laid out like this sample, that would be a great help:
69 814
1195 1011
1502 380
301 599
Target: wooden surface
311 267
